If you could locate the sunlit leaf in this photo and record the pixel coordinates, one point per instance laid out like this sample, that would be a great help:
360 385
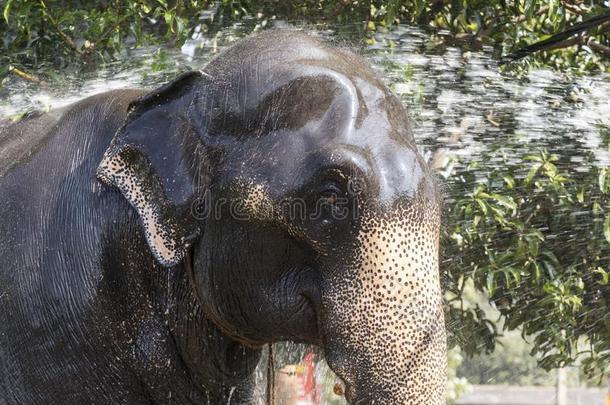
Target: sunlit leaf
482 205
510 182
532 173
7 10
529 8
535 158
475 221
602 180
506 201
603 274
491 283
607 228
580 196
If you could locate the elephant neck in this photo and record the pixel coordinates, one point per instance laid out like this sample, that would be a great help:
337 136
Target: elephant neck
154 325
222 367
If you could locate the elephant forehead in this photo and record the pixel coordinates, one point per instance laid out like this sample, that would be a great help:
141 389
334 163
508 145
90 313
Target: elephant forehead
309 113
251 107
296 95
290 113
279 80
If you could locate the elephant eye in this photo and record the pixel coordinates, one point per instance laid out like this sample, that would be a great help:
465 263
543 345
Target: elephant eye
332 203
328 211
330 192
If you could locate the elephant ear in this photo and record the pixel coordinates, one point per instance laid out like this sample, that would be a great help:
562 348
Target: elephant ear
153 160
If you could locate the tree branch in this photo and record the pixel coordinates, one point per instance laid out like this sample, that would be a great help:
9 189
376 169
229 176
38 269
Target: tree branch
574 9
67 40
605 27
577 40
26 76
106 33
597 47
569 37
523 17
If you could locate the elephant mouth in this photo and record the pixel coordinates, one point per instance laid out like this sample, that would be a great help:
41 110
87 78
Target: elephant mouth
303 325
313 306
297 311
294 299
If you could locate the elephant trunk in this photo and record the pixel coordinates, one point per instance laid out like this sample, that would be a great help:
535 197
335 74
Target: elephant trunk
384 332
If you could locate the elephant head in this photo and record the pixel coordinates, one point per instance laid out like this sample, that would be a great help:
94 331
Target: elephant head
284 177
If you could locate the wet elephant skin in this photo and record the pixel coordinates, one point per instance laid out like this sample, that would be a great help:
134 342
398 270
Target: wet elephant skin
152 242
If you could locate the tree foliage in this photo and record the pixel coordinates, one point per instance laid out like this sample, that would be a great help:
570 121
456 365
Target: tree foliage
38 32
536 240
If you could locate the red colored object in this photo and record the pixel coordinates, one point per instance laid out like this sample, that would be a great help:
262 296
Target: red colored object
310 380
311 393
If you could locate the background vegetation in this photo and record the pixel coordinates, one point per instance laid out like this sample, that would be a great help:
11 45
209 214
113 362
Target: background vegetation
54 33
536 240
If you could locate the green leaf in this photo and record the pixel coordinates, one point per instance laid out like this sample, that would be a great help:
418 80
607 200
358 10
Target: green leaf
580 196
534 246
475 221
7 10
510 182
491 283
508 202
483 205
537 272
180 25
390 14
515 274
552 6
607 228
169 19
532 173
602 180
551 256
603 274
529 8
535 158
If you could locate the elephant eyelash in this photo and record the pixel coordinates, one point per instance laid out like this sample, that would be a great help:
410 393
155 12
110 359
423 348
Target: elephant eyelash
330 189
331 192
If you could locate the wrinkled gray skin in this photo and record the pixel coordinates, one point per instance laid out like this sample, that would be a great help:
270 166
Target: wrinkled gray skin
128 274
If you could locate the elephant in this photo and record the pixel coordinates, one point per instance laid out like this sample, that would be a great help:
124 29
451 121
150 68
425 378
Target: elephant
153 242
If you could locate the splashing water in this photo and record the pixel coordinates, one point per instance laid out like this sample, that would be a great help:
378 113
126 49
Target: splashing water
461 107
